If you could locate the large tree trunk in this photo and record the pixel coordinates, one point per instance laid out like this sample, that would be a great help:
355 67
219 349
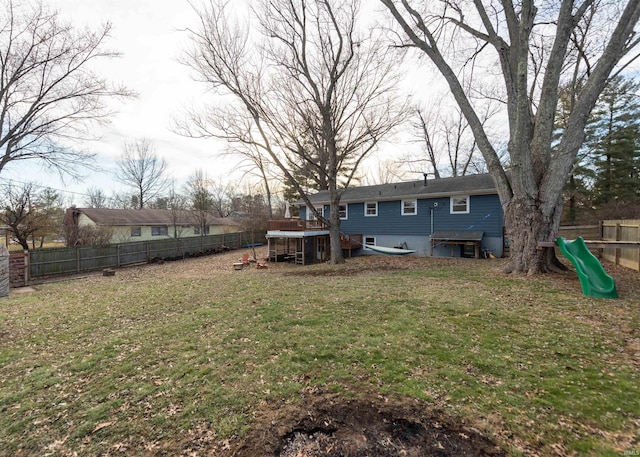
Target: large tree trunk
334 229
531 190
527 224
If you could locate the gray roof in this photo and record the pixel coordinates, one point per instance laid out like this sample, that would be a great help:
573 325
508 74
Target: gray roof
146 216
444 187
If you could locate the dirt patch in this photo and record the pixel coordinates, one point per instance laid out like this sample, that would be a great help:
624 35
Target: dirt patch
331 425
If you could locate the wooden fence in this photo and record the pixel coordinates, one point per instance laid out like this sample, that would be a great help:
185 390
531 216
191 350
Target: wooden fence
588 232
622 230
56 261
610 230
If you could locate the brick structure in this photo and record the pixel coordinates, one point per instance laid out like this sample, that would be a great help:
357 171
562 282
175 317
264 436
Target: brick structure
18 269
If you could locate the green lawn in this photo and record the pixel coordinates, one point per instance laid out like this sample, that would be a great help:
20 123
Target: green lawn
162 354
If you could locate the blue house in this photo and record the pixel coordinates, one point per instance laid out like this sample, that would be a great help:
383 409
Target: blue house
447 217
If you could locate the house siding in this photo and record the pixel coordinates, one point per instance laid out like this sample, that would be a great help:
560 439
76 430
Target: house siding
84 220
123 234
485 214
391 228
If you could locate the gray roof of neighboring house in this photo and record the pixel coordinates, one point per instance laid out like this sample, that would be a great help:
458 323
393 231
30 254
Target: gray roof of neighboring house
461 185
146 216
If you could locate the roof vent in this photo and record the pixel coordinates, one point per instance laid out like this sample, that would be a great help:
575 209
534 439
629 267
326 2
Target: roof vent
425 178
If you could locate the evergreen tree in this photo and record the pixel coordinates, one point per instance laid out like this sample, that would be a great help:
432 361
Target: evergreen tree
613 143
577 191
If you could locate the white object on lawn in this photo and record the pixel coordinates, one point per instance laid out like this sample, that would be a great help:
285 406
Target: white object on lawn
392 251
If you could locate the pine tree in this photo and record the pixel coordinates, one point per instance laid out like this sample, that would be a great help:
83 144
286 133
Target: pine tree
613 143
577 191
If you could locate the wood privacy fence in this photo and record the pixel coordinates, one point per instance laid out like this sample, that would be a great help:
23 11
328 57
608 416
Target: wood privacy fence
55 261
588 232
610 230
622 230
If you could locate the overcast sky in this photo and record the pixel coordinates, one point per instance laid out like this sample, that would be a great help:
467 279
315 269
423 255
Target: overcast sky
150 34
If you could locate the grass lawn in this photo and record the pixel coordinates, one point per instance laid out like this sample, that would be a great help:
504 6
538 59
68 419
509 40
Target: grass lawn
178 358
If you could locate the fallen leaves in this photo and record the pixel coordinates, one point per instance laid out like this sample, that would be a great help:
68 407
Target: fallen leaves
102 425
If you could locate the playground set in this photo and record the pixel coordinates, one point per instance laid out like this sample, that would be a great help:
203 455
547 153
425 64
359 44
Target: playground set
595 281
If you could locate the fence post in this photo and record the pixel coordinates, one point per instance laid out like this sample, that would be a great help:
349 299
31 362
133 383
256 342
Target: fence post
601 229
638 239
27 268
4 271
118 255
77 259
618 238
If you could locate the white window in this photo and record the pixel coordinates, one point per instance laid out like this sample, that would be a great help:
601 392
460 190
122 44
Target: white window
159 230
371 209
343 210
196 230
311 216
460 204
136 231
369 241
409 207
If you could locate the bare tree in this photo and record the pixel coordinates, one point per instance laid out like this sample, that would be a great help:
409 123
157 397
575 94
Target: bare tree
253 213
199 199
426 126
122 200
29 213
96 198
50 209
48 94
87 235
177 206
317 94
450 148
221 194
140 168
537 45
385 172
252 160
262 168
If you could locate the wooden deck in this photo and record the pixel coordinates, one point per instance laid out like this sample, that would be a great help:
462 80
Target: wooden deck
353 241
307 248
350 242
294 225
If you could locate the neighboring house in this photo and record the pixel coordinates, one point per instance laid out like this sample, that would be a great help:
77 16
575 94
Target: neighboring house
447 217
148 224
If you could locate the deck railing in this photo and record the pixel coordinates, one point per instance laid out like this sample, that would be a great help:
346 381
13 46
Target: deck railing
295 225
353 241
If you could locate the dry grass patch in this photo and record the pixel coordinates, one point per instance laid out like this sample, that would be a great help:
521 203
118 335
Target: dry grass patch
185 358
